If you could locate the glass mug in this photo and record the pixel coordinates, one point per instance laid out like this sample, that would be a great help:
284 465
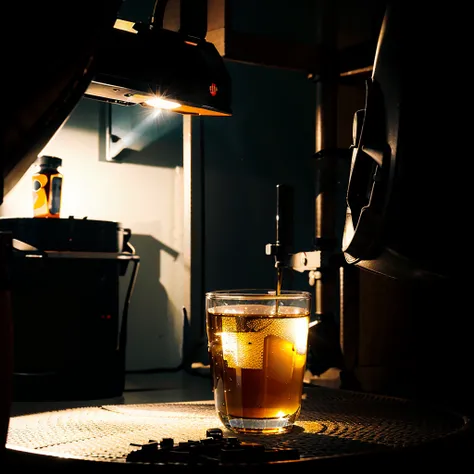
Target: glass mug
257 344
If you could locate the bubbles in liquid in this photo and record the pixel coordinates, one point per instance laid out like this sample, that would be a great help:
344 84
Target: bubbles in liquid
243 350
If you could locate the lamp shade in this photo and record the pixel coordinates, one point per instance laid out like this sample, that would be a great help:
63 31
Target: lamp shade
157 63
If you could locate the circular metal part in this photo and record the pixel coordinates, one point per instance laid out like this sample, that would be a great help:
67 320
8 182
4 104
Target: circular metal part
334 425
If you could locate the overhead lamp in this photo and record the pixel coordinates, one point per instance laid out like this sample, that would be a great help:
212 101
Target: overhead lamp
143 65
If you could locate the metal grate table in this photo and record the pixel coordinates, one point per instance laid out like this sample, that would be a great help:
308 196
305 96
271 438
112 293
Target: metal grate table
335 426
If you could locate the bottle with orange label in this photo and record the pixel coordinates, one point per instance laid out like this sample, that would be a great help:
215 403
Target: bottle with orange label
47 187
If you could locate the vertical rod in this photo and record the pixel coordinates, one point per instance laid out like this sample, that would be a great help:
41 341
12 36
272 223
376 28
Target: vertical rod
193 18
285 218
197 232
193 248
187 183
284 228
326 139
105 131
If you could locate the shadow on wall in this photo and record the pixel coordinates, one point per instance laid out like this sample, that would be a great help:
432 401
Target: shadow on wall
151 324
165 152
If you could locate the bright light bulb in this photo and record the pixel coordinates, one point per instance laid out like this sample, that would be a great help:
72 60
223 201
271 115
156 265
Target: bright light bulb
160 103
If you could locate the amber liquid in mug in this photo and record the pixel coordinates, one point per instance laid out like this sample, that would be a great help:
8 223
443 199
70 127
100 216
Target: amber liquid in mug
258 362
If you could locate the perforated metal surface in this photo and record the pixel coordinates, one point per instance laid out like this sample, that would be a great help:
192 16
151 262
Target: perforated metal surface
332 422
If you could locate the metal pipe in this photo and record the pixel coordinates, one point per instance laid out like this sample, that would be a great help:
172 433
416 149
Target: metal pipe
326 139
195 343
193 18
